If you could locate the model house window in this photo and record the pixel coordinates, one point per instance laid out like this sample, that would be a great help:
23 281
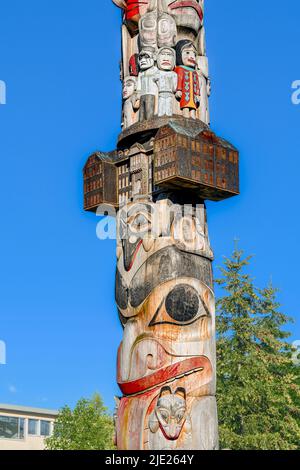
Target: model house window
11 427
33 427
45 428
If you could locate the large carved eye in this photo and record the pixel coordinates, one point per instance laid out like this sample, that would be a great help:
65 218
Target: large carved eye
164 413
139 222
179 415
182 306
182 303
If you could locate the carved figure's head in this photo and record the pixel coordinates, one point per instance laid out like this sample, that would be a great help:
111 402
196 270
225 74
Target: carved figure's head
186 53
166 58
146 59
129 87
170 413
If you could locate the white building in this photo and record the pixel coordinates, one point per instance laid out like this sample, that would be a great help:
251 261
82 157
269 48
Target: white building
23 428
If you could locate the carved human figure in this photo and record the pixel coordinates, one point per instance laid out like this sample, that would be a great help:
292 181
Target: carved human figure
188 86
131 101
166 80
146 85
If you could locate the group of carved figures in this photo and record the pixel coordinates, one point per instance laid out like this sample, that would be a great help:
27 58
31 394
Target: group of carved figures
164 67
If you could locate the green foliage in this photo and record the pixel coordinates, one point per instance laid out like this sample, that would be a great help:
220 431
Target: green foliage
87 427
258 385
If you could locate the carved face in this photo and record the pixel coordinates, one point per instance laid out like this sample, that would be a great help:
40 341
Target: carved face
187 13
189 56
129 87
170 413
164 296
166 59
146 59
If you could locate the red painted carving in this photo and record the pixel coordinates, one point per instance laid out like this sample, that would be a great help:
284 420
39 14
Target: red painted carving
161 376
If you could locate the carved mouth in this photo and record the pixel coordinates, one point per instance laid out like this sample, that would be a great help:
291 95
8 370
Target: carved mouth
188 4
165 375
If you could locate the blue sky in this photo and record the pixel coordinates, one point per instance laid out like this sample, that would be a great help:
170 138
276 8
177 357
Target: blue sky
60 64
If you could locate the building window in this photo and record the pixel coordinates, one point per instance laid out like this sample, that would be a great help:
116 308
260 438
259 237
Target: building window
33 427
45 428
11 427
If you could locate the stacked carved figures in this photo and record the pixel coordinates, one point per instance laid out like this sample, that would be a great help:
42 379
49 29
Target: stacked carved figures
167 163
164 50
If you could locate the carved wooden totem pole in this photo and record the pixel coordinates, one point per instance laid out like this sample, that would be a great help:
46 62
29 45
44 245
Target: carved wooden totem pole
167 163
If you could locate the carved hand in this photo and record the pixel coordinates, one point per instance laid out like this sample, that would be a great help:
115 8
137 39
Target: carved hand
179 95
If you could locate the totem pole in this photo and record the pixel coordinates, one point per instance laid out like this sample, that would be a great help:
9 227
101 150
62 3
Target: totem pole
167 163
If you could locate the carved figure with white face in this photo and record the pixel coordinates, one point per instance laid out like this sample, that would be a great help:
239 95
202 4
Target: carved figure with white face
166 81
146 59
131 102
166 59
146 85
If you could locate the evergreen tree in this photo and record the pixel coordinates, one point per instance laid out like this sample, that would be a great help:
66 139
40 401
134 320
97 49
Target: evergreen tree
258 392
87 427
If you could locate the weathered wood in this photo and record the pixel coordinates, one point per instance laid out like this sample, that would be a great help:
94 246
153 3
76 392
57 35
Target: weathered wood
167 163
166 362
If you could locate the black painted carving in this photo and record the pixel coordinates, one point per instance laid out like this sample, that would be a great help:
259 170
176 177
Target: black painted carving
165 265
182 303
